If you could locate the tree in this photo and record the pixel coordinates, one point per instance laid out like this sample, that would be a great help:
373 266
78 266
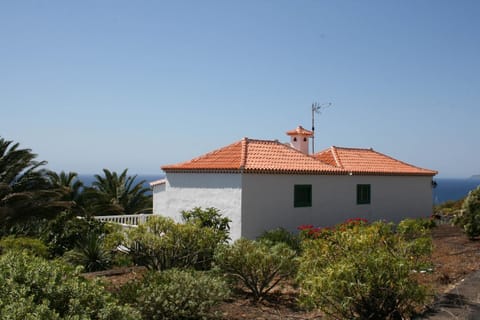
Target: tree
114 194
72 189
26 191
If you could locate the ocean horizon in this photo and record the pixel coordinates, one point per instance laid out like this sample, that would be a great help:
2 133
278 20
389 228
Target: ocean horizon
452 189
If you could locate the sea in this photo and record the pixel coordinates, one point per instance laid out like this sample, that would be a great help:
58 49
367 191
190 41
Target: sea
446 189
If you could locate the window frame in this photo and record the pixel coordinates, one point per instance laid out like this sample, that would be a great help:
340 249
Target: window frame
364 194
302 195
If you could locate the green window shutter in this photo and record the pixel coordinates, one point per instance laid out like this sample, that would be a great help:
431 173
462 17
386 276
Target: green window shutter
363 193
302 195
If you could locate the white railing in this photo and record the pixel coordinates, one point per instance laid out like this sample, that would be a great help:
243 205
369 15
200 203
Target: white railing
126 220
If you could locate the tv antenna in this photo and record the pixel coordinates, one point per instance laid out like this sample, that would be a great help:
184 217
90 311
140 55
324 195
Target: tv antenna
317 108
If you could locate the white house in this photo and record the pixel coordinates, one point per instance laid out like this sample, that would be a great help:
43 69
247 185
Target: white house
264 184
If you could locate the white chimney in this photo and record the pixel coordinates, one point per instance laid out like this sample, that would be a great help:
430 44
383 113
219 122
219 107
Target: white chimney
299 139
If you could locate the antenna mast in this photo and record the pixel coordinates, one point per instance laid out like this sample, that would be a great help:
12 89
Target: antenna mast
317 108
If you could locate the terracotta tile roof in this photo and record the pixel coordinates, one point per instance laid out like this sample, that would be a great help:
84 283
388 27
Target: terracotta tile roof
301 131
226 158
267 156
368 161
272 156
262 156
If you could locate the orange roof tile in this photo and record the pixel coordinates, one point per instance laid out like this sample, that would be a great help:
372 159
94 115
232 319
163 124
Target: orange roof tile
266 156
301 131
226 158
250 155
368 161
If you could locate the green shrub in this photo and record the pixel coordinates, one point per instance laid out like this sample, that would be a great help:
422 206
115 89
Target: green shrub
34 288
161 244
90 253
65 232
469 218
256 264
209 218
280 235
33 227
414 228
32 245
363 272
175 294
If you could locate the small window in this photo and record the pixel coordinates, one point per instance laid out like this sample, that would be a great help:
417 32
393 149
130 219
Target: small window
295 139
363 194
302 195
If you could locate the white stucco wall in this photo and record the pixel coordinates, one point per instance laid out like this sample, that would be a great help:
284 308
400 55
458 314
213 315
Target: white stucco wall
267 200
257 202
158 192
184 191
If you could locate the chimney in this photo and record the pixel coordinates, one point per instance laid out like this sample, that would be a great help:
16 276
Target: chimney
299 139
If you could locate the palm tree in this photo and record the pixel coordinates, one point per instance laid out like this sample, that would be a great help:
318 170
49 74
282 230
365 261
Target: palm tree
114 194
72 188
26 191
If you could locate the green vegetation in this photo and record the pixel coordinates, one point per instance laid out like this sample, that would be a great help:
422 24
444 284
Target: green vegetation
34 288
175 294
469 217
32 245
363 271
258 265
449 209
117 194
26 191
161 244
280 235
72 190
91 253
208 218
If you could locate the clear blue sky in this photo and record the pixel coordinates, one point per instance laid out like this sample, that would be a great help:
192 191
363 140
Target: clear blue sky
138 84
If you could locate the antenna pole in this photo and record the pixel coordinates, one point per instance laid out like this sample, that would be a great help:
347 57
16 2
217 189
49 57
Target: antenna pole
316 108
313 126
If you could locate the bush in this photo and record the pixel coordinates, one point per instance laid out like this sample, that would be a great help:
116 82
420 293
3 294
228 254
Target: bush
415 228
469 218
280 235
258 265
32 245
33 227
175 294
362 272
34 288
161 244
208 218
65 232
90 253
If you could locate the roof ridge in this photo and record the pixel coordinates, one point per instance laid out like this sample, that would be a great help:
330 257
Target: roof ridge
336 157
243 156
262 140
354 148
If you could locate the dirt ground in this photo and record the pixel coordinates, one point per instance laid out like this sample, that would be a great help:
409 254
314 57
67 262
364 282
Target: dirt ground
454 257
